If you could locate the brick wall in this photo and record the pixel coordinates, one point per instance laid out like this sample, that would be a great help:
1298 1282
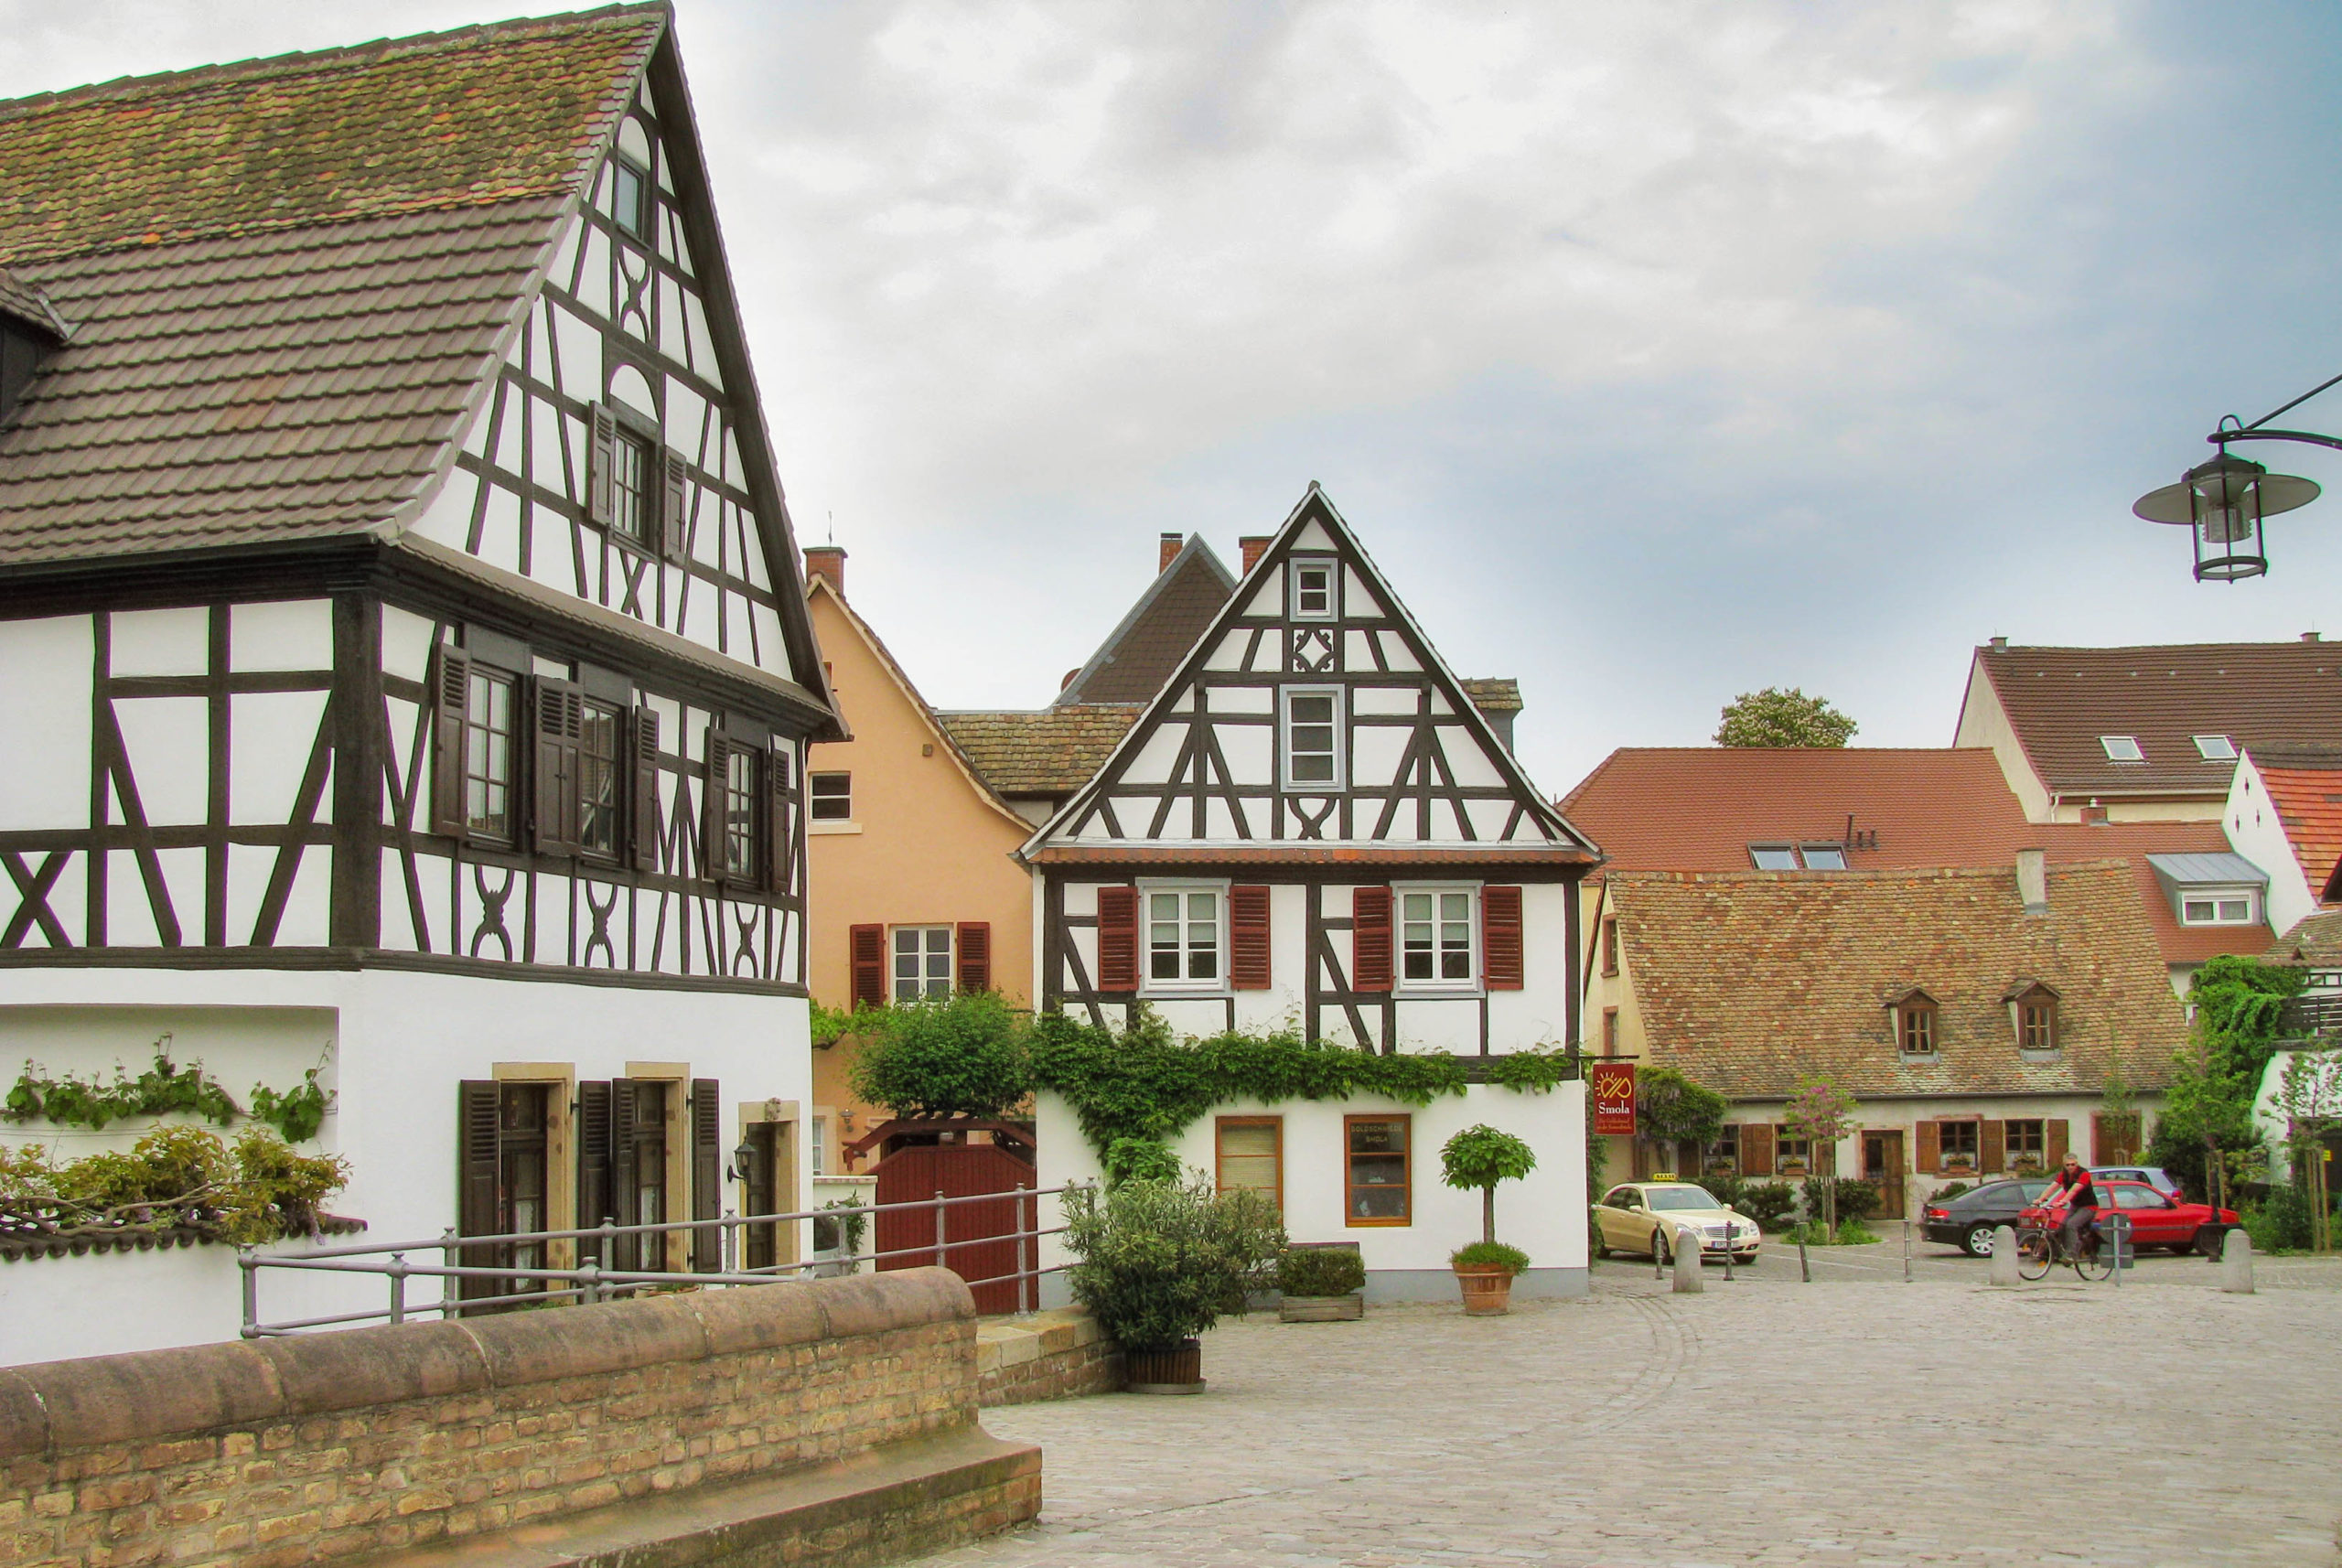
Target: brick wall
297 1450
1049 1355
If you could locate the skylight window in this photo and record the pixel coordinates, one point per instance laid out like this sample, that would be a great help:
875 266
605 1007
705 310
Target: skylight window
2215 749
1824 857
1797 857
2121 748
1773 856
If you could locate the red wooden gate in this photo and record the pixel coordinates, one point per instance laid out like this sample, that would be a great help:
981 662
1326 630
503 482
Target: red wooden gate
915 1174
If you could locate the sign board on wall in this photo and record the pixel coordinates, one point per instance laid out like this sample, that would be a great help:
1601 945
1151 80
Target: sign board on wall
1613 1085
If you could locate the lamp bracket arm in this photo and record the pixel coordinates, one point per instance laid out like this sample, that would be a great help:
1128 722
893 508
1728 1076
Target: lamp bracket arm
2222 438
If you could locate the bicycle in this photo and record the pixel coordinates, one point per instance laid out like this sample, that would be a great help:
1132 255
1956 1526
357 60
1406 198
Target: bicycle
2040 1247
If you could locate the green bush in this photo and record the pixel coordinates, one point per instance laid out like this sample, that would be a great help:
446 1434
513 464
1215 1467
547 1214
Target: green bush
1857 1199
1947 1192
1725 1188
1320 1271
1159 1261
1480 1157
1767 1202
1489 1255
959 1056
1850 1233
2281 1221
1140 1159
257 1189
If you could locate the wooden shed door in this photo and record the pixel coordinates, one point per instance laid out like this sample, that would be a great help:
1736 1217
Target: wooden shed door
960 1170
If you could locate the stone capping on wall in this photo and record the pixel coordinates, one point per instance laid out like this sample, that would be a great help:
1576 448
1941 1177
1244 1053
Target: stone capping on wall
50 1407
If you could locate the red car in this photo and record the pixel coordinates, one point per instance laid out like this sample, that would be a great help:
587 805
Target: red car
2157 1218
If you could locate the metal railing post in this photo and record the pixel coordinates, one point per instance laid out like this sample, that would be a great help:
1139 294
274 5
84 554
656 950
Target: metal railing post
590 1282
728 1249
940 1253
1028 1282
397 1271
449 1305
249 1261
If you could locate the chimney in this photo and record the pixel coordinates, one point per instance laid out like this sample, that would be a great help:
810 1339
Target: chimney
1254 546
1068 678
827 561
2033 880
1999 642
2311 636
1171 546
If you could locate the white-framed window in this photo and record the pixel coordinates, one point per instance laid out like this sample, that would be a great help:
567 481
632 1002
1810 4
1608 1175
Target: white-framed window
922 962
2216 907
1439 936
2121 748
2215 748
1185 926
1798 856
1316 587
833 796
1310 731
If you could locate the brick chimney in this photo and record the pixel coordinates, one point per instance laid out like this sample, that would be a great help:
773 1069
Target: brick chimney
1172 544
2311 636
2033 880
827 561
1254 546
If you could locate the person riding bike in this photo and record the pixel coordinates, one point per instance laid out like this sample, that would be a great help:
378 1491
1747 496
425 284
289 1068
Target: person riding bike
2073 1183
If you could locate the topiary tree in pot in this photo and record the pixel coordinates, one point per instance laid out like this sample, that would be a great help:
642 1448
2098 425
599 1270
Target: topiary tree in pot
1158 1262
1482 1157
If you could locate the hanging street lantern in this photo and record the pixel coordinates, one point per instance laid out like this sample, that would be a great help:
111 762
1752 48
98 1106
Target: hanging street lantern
2224 504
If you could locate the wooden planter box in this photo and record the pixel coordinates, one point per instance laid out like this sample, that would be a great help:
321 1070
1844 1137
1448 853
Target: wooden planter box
1322 1309
1173 1369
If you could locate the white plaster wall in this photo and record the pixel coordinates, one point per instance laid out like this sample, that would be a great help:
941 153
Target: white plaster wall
1984 722
2256 833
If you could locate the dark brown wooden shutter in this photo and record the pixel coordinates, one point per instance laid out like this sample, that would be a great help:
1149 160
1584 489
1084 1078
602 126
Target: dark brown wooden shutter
1370 939
1500 955
598 464
2054 1134
710 846
780 819
595 1202
975 941
449 684
1992 1147
645 820
1756 1148
673 541
478 1105
708 1174
1117 939
1929 1146
1248 938
866 959
558 723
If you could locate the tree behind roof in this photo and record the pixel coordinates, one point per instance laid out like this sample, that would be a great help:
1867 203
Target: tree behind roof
1776 718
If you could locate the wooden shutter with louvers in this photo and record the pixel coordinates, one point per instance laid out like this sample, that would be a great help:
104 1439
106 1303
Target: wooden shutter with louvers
645 820
625 1188
1930 1149
708 1174
779 819
973 939
558 724
1992 1148
1117 939
1756 1148
2054 1134
674 535
866 959
1370 939
1248 938
710 831
479 1106
598 464
1500 955
595 1202
449 684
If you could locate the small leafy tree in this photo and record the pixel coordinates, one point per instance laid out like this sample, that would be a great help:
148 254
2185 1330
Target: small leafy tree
960 1056
1672 1109
1775 717
2309 1098
2205 1134
1822 1112
1481 1156
1160 1262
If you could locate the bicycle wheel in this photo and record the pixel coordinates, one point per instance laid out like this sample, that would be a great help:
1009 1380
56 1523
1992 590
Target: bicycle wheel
2032 1254
2097 1262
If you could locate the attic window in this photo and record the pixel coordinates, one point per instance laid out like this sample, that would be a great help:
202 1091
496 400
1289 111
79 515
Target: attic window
2221 909
630 196
1773 856
1314 595
1797 857
2215 749
1824 857
2121 748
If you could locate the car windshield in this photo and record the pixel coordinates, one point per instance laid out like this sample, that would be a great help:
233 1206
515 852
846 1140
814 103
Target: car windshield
1681 1197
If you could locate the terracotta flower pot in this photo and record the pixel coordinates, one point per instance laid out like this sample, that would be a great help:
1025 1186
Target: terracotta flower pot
1165 1368
1487 1293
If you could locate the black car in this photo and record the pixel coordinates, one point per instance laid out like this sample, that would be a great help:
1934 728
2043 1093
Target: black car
1967 1220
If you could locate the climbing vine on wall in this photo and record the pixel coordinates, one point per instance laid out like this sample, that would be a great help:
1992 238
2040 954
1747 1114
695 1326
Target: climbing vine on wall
163 1088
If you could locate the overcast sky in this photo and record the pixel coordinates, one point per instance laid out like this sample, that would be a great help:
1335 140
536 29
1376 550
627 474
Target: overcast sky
1658 353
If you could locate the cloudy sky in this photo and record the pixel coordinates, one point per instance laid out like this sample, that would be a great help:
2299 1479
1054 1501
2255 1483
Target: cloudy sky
1658 353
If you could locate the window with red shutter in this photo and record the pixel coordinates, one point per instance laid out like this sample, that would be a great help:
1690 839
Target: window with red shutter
1248 938
1117 939
1502 967
975 955
1370 939
867 955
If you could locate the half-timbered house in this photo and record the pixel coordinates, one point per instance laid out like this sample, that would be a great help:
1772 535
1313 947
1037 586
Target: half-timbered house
401 623
1314 826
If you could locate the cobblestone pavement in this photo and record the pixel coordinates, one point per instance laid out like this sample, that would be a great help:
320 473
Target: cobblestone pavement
1765 1422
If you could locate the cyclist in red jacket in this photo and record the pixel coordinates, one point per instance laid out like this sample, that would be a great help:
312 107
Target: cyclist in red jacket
2073 1181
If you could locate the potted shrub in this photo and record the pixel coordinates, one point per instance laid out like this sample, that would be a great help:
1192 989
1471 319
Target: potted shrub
1157 1262
1481 1156
1321 1283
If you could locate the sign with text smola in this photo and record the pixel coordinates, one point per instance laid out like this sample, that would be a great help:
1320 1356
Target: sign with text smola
1613 1097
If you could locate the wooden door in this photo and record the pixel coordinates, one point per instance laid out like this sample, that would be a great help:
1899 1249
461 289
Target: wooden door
1882 1168
916 1174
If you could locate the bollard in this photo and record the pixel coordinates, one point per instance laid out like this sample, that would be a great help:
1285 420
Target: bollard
2004 1255
1907 1249
2236 1264
1804 1269
1687 1263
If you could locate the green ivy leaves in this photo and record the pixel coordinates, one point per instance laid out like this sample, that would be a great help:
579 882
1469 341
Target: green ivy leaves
296 1113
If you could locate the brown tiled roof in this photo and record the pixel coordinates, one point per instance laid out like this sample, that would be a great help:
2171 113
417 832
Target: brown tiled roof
28 303
1493 693
1052 753
1144 651
287 277
2060 701
1291 851
2304 785
1749 981
2315 941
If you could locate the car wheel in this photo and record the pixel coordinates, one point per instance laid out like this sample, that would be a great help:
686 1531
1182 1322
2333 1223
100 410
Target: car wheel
1601 1243
1980 1241
1660 1252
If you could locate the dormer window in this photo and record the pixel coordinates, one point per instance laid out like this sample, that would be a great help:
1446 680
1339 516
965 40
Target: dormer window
1914 1017
2215 749
2121 748
1316 594
2216 909
2032 1012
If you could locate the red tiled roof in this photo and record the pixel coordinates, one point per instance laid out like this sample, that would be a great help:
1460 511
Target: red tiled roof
2060 701
1287 851
2306 787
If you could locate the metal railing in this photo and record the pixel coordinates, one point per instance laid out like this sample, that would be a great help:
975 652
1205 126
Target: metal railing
543 1284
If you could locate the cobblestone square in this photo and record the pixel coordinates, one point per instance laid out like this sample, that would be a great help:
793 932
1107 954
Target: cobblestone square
1763 1422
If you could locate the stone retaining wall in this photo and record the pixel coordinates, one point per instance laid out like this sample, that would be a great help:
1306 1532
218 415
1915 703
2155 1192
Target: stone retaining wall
290 1450
1050 1355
